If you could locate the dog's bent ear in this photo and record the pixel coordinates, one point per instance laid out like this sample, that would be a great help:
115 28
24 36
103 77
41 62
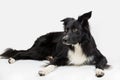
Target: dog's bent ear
85 16
66 20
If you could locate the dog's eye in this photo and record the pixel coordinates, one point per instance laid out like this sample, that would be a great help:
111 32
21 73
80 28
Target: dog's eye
75 30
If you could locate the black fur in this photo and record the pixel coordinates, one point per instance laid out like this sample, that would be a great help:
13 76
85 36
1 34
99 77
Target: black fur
57 44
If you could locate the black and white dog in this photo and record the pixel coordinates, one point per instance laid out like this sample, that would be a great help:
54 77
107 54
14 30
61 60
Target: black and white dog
74 46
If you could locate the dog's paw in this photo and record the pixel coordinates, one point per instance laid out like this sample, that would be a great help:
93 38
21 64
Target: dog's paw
46 70
42 72
99 72
11 60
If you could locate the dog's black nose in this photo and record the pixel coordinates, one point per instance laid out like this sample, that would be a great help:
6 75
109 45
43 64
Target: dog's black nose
65 38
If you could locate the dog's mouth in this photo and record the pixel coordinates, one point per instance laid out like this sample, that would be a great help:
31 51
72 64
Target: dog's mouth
69 43
66 43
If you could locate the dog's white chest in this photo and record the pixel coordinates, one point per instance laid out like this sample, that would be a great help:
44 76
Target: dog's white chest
76 57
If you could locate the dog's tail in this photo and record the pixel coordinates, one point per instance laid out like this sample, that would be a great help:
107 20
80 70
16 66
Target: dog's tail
107 66
8 53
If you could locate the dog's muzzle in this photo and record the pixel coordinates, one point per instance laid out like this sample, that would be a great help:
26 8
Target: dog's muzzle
65 40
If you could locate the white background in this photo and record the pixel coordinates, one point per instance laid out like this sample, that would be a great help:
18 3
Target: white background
21 22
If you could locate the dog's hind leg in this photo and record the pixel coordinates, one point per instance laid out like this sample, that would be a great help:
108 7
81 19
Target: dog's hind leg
9 53
20 56
31 55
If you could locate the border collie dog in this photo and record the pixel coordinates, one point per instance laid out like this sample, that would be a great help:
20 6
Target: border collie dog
74 46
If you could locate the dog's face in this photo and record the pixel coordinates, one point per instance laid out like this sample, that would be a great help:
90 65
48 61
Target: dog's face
74 30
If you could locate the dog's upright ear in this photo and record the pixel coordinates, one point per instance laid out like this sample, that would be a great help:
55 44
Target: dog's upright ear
83 19
66 20
85 16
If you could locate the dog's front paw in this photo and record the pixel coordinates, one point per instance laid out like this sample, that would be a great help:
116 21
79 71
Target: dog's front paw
46 70
11 60
99 72
42 72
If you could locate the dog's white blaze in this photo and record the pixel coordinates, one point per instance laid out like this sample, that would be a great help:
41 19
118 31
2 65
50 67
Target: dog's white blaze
47 69
77 57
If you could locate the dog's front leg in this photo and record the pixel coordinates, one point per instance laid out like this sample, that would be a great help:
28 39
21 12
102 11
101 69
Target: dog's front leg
47 70
100 64
53 65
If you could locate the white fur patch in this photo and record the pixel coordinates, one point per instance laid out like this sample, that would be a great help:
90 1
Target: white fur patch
46 70
77 57
99 72
11 60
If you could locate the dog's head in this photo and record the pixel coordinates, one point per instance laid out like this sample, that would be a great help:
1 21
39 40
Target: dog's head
75 30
